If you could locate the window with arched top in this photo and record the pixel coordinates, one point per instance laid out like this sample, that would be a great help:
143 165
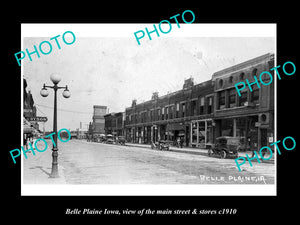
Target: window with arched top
254 72
221 83
242 76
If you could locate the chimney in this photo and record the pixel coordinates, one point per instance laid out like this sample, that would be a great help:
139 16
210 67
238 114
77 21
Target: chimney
133 103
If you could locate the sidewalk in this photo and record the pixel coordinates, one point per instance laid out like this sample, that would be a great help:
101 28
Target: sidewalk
37 168
201 151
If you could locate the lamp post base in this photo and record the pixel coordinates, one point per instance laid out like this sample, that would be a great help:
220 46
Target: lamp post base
54 170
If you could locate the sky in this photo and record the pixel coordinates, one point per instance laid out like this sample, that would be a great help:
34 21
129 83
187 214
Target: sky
112 71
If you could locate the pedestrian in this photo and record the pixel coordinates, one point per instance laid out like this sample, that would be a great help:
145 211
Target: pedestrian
25 142
181 142
254 148
178 142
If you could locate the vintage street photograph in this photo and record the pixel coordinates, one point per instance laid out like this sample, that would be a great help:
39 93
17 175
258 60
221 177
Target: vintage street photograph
162 117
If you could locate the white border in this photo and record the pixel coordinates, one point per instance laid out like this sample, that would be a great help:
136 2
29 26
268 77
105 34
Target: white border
127 30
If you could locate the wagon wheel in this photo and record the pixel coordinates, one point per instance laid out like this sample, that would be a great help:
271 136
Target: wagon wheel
223 154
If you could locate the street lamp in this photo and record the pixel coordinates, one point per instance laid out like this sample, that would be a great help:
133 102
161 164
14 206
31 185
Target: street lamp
55 78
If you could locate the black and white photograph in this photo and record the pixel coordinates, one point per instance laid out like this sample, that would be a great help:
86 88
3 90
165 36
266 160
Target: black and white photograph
177 114
147 111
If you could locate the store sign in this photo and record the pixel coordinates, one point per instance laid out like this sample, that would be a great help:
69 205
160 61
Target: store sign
37 119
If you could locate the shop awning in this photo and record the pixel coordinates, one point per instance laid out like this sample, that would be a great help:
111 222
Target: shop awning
27 129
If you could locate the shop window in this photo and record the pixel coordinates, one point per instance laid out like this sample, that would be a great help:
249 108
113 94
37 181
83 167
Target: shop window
241 127
194 132
201 132
209 132
221 99
227 127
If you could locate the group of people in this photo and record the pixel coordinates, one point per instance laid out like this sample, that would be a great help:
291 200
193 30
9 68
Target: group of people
27 139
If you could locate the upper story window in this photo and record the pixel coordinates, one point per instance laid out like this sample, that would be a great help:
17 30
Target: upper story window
209 105
171 109
243 98
232 98
177 110
201 109
220 82
194 108
254 95
158 114
167 112
221 96
183 109
242 76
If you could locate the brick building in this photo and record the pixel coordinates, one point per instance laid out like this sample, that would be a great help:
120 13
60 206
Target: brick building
198 113
114 123
250 115
185 114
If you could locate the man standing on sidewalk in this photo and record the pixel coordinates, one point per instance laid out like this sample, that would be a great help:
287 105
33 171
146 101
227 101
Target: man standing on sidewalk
181 142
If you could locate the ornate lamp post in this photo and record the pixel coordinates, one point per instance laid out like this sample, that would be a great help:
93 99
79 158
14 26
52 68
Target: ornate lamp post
55 78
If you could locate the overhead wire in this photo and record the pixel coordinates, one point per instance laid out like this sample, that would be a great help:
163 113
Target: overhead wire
65 110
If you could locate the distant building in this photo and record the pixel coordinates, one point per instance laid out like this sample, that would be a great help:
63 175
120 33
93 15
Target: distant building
97 126
114 123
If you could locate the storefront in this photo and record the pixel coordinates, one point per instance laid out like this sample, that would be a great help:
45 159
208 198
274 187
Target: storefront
201 133
175 131
252 132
